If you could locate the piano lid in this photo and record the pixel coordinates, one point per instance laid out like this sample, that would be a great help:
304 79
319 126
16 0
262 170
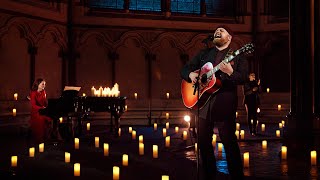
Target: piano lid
70 91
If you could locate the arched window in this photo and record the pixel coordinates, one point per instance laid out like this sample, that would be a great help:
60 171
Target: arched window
109 4
185 6
145 5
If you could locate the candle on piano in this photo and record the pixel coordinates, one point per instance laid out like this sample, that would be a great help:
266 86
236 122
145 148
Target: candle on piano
61 119
15 96
31 152
140 138
155 126
41 147
88 126
100 91
246 159
167 125
264 144
185 135
155 151
125 159
66 157
134 133
135 95
116 173
14 161
141 149
164 177
76 170
167 141
83 94
284 152
105 149
96 142
168 95
164 132
14 112
93 90
313 156
76 143
176 129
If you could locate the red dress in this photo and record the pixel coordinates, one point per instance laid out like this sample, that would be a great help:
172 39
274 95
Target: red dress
39 124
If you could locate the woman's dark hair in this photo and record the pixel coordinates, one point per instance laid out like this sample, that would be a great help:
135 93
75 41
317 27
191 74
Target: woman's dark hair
36 84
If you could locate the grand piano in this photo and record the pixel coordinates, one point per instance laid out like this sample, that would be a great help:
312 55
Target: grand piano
70 105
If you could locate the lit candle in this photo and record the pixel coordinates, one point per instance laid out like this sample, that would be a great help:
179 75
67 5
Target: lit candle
283 123
167 141
263 127
185 135
167 125
167 115
83 94
268 90
96 142
41 147
246 159
126 108
238 126
93 90
195 147
105 149
220 145
214 140
264 144
66 157
14 112
136 95
155 126
31 152
313 155
134 134
237 134
168 95
164 177
258 110
141 149
119 131
125 159
277 133
242 134
237 114
155 151
15 96
14 161
88 126
76 169
141 139
176 129
164 132
61 119
251 121
280 125
76 143
284 152
130 129
279 107
116 173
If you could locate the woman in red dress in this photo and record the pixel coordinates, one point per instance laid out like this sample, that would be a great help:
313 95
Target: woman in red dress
40 125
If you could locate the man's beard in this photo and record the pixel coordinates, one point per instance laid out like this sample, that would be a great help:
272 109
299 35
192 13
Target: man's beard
219 41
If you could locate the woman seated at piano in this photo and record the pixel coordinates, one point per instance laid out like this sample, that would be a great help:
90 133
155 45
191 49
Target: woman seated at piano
40 125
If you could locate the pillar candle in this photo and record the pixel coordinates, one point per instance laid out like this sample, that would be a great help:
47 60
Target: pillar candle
155 151
135 95
116 173
195 147
41 147
164 132
126 108
125 159
176 129
168 95
237 114
246 159
263 127
220 145
238 126
93 90
237 134
167 115
251 121
76 169
164 177
313 155
130 129
96 142
14 161
268 90
31 152
14 112
214 140
105 149
141 149
88 126
283 123
66 157
141 139
15 96
242 134
134 134
167 125
277 133
284 152
280 125
167 141
76 143
264 144
155 126
185 135
119 131
61 119
279 107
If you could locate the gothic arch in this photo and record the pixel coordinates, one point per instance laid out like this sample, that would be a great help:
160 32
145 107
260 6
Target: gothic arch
101 38
172 40
136 36
55 32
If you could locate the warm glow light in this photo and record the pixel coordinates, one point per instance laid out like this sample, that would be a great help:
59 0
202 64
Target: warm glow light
83 94
313 155
277 133
283 123
141 139
167 141
14 112
96 142
164 177
76 168
88 126
76 143
125 159
167 125
167 115
164 132
31 152
116 173
237 114
155 151
258 110
41 147
187 118
280 125
268 90
141 149
238 126
119 131
168 95
61 119
130 129
242 134
66 157
284 152
185 135
237 134
279 107
14 161
126 108
134 134
155 126
136 95
263 127
220 146
214 140
105 149
176 129
264 144
15 96
246 159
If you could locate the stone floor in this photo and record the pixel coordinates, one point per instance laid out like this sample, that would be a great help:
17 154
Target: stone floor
177 161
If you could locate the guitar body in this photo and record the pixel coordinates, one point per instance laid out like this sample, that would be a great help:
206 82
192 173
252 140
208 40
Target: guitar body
212 85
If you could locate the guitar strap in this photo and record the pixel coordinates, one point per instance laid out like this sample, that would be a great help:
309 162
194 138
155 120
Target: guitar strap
221 55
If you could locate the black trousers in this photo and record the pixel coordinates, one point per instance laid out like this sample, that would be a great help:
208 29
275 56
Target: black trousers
252 115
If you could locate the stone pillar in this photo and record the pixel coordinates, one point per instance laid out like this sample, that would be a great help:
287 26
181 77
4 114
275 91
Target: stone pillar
149 58
203 8
64 56
32 50
316 63
299 137
126 5
113 56
166 7
71 45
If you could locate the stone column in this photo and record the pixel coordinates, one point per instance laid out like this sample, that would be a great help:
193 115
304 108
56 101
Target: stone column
203 8
32 50
126 5
113 56
317 62
166 7
64 56
149 58
71 45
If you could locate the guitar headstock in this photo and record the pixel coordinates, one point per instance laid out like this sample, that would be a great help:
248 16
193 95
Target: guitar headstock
248 48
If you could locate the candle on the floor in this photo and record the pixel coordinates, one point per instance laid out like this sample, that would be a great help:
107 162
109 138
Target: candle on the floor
176 129
220 145
134 134
15 96
167 125
14 112
168 95
280 125
313 155
268 90
185 135
116 173
105 149
264 144
167 115
155 151
76 170
251 121
41 147
214 140
277 133
88 126
125 159
61 119
31 152
242 134
167 141
96 142
119 131
195 147
141 149
237 114
135 95
237 134
284 152
164 132
141 139
164 177
14 161
76 143
246 159
155 126
66 157
263 127
279 107
126 108
283 123
238 126
83 94
130 129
